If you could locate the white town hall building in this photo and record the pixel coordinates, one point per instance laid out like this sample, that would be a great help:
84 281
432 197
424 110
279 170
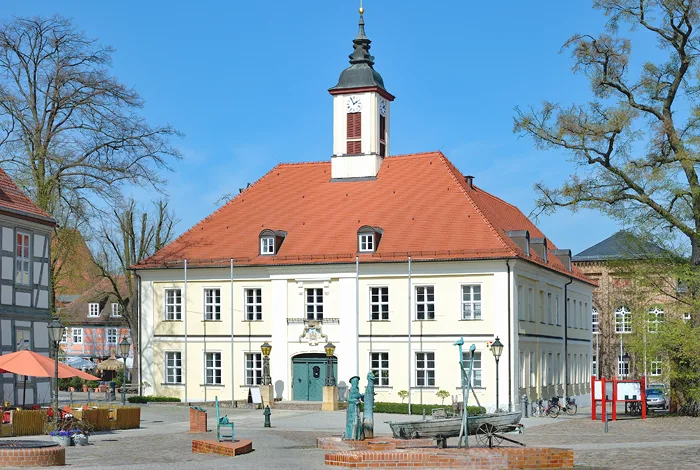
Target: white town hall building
391 258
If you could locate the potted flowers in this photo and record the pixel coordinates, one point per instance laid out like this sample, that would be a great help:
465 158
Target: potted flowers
62 437
80 437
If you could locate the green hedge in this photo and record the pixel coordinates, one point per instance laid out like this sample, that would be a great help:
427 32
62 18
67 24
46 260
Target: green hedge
152 399
402 408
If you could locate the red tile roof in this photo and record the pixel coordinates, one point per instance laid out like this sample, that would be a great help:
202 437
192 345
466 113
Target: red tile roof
422 203
14 202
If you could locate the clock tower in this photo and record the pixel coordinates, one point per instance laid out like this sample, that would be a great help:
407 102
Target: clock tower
361 112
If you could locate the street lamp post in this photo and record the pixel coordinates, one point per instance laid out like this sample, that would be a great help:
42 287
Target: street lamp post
56 330
124 347
330 377
266 348
497 350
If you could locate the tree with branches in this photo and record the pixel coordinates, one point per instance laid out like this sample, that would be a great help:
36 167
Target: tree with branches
128 236
71 134
635 142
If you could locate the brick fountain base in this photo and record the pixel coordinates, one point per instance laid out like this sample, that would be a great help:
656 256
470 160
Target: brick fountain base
390 452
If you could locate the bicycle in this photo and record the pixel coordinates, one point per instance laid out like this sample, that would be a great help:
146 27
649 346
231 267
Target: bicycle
551 410
570 408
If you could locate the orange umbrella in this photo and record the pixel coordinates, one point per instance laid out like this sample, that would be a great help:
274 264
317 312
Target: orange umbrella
35 365
29 363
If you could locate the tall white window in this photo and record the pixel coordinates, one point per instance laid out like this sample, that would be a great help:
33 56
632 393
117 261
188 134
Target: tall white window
425 369
253 304
22 260
173 367
543 369
556 310
112 335
314 304
581 323
656 367
212 304
521 310
379 303
267 245
66 334
533 371
212 368
379 365
569 324
594 321
550 376
550 317
425 303
173 304
476 371
116 309
93 310
471 302
586 321
656 319
623 367
522 369
557 370
366 242
77 335
623 320
542 311
531 304
253 368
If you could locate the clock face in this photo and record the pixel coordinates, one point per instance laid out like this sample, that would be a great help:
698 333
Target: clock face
354 104
382 107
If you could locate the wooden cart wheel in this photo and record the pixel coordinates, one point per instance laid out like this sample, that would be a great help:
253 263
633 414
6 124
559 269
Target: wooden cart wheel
486 435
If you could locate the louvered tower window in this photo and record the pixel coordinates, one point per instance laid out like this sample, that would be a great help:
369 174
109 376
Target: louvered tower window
354 133
382 136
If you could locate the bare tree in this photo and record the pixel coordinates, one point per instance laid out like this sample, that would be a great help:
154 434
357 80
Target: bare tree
70 131
127 237
636 142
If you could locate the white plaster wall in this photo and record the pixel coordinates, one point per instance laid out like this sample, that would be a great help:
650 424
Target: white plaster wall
8 237
39 245
23 299
41 335
7 268
6 295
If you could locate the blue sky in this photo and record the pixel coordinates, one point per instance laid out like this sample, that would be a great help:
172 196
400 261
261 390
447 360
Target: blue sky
246 82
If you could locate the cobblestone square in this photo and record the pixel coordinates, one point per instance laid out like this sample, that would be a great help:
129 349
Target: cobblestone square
163 442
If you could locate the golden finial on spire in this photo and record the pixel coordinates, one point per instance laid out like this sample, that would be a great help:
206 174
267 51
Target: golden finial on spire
362 10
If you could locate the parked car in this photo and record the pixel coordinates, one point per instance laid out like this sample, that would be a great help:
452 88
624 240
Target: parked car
655 398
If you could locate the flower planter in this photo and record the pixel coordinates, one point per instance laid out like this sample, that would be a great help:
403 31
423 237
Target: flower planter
63 441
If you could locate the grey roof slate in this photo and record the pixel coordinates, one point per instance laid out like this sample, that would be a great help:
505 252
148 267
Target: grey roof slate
620 246
361 72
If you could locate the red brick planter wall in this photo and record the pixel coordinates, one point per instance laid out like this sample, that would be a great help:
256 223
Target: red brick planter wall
473 458
198 421
41 457
227 448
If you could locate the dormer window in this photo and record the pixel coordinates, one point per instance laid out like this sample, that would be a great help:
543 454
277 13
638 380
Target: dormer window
271 241
368 239
367 242
267 246
94 310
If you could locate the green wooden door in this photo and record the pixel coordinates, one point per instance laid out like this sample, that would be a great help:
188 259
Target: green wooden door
309 377
317 379
301 380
